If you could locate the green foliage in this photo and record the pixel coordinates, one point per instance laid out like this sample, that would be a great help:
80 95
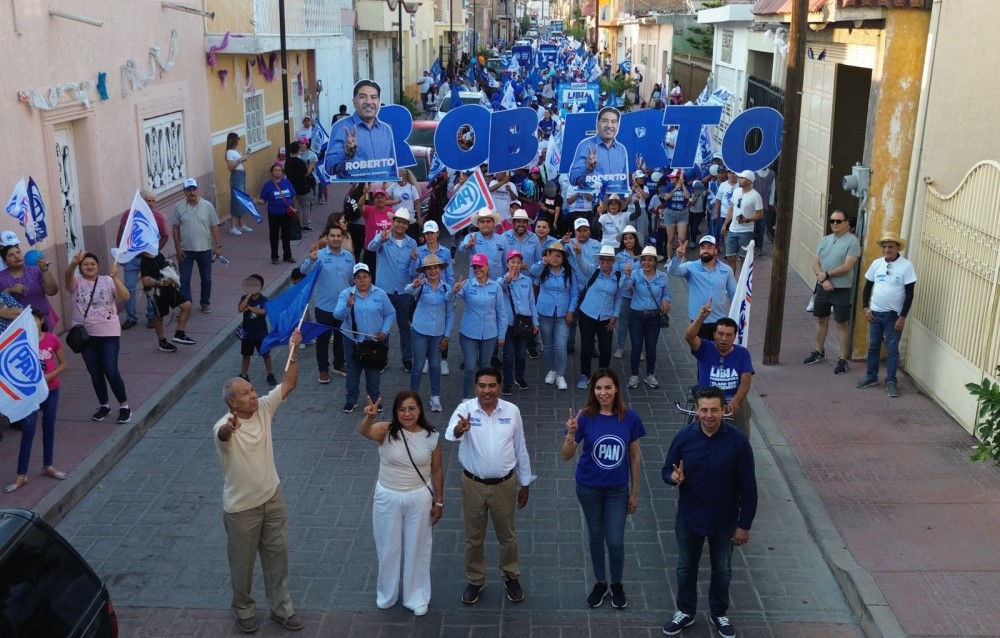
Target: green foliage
618 85
987 428
525 24
577 26
703 37
411 105
485 52
577 31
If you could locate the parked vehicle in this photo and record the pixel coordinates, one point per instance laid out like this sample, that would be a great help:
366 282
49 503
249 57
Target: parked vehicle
467 97
46 588
422 133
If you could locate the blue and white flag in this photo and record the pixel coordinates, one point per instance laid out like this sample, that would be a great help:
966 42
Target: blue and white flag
246 202
508 101
322 177
436 166
553 155
625 66
140 235
740 310
436 69
17 205
320 139
285 311
35 229
469 198
22 377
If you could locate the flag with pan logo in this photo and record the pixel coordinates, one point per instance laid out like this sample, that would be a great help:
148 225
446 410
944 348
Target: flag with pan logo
470 197
22 379
740 310
140 234
35 229
17 204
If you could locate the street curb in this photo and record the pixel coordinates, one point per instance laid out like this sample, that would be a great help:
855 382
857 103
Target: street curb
863 595
61 500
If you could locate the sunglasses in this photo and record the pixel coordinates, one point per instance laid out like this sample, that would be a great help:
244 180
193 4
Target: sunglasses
837 221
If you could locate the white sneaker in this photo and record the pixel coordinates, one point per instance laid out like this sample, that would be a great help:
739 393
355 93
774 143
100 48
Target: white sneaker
642 356
427 365
619 353
651 381
435 404
809 306
550 378
246 229
444 368
633 381
235 231
561 383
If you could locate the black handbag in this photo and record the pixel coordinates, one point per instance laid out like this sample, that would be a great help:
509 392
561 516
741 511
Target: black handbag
77 337
523 327
370 354
664 317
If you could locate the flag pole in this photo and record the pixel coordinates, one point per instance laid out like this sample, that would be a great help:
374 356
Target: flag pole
291 350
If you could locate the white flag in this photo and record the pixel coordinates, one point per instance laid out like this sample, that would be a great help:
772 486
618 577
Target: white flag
508 101
22 379
17 205
141 235
740 310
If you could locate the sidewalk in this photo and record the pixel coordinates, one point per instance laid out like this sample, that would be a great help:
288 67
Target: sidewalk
85 449
893 476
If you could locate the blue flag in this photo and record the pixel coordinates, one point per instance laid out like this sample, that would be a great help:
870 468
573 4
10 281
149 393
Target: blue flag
286 310
471 73
321 175
590 107
320 138
436 69
436 166
34 227
456 99
245 202
626 66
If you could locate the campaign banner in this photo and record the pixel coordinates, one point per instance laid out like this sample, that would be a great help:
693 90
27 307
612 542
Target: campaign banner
549 53
571 94
524 56
362 147
471 196
22 378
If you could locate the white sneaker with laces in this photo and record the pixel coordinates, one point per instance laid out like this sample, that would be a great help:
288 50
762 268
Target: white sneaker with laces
427 366
809 306
435 404
633 381
651 381
550 378
619 353
235 231
561 383
246 229
444 368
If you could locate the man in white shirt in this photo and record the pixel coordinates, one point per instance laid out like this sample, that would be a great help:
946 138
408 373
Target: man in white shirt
492 451
254 512
746 207
503 193
425 85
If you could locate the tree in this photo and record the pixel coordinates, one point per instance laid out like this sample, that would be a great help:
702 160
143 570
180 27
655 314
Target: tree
577 27
702 38
525 24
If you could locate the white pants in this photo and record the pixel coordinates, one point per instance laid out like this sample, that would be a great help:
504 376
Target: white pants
401 525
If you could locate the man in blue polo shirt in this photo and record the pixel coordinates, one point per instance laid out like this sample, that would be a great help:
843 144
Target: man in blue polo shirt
601 159
712 465
723 364
708 279
336 273
393 251
362 147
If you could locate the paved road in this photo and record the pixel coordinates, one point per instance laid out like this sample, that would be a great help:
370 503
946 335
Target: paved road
153 526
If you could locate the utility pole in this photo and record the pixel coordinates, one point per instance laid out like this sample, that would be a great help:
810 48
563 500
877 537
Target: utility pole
399 8
786 182
284 71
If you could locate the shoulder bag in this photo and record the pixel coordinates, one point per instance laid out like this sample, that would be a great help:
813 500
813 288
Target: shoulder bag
523 328
78 336
664 317
370 354
413 463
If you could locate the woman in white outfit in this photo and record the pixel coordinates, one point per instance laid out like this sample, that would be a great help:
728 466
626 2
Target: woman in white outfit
405 506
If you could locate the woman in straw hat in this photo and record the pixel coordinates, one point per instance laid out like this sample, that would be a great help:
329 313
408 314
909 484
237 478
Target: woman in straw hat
650 299
433 318
557 298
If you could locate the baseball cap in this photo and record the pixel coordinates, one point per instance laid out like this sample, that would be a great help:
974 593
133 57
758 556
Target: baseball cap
657 176
402 213
359 267
378 191
479 259
535 169
190 183
9 238
517 203
707 239
514 253
638 174
580 223
747 175
304 140
431 227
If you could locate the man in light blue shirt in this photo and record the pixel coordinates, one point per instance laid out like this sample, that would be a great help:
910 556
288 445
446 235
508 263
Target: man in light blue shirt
362 147
583 257
522 240
707 278
487 242
394 250
336 271
602 159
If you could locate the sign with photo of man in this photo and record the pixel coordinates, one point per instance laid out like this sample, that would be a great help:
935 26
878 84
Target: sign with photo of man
601 160
362 147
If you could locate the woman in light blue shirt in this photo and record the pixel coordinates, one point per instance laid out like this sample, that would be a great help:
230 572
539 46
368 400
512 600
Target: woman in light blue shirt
557 297
629 254
650 298
483 320
433 318
600 301
366 315
519 296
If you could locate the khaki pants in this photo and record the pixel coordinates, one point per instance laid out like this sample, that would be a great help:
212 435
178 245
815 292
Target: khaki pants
262 529
498 501
742 420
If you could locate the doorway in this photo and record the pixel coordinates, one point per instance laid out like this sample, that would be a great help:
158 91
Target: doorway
850 125
69 189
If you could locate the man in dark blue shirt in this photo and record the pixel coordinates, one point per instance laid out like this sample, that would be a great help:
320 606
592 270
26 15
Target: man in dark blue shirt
711 462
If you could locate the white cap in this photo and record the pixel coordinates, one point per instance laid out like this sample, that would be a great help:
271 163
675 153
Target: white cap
190 183
9 238
638 174
431 227
606 251
359 267
580 223
707 239
657 176
747 175
402 213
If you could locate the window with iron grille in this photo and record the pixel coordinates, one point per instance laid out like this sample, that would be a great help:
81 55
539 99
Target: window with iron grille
163 137
253 113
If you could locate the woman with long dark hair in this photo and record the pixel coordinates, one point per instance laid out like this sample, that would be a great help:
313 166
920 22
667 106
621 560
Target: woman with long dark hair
607 477
557 297
409 499
237 179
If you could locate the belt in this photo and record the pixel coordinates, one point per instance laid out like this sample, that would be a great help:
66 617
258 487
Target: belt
646 313
488 481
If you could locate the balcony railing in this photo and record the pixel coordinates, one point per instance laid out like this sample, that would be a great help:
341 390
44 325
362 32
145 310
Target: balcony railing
260 17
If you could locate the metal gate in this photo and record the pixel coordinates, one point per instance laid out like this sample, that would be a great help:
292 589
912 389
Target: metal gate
762 93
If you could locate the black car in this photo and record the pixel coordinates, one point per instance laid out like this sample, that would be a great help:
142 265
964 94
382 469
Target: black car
47 590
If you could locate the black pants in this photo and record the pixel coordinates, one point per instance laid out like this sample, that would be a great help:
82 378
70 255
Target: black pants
280 224
323 342
589 328
357 232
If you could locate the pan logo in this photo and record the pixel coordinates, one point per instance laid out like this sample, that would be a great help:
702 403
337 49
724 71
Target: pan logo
466 201
609 451
19 366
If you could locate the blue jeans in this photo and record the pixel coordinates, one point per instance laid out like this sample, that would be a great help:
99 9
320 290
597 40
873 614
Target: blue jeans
402 303
720 549
373 376
323 342
131 280
476 353
623 326
426 348
204 260
515 356
554 338
49 409
884 326
644 326
605 509
100 355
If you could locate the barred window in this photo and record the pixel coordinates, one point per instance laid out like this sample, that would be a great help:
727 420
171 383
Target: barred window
164 139
253 112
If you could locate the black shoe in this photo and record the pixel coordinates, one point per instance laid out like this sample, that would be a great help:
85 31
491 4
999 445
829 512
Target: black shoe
815 357
677 623
271 380
471 594
124 415
166 346
618 600
533 353
521 384
307 228
841 367
180 337
348 408
407 366
101 414
379 408
507 391
245 377
723 626
130 323
289 260
514 592
596 597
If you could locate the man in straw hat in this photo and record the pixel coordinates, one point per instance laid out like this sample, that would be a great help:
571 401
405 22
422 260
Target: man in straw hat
487 241
886 298
393 250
